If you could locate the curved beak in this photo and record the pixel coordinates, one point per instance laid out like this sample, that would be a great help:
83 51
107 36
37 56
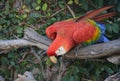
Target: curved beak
53 59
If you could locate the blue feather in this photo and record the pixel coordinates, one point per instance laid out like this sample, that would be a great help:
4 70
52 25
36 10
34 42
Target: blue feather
103 38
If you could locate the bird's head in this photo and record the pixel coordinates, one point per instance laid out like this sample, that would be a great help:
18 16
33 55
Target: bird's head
56 52
60 46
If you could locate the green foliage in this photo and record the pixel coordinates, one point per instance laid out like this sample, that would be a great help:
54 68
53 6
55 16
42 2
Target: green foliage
44 7
95 71
39 14
70 2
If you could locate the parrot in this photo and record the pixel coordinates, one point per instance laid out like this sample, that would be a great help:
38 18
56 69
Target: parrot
85 30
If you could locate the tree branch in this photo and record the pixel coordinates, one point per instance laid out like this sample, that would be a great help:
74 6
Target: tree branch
97 50
32 38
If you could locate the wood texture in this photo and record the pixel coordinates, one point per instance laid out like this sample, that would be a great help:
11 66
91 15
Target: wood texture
95 51
32 38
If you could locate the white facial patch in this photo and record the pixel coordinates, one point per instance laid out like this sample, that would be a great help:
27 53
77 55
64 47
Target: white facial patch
60 51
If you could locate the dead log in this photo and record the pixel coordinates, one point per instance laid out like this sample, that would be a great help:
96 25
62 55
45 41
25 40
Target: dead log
115 77
115 59
1 78
27 76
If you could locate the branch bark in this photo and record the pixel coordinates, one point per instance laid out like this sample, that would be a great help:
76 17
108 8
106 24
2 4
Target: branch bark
97 50
27 76
115 77
32 38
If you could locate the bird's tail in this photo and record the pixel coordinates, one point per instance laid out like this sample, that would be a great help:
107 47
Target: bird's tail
94 14
104 16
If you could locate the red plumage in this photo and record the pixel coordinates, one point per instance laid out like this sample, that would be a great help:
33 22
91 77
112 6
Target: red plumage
68 33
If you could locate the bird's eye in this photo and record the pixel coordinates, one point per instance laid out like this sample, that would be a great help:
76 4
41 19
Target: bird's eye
60 51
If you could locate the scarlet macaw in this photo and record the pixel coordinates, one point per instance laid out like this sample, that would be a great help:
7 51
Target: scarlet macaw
85 30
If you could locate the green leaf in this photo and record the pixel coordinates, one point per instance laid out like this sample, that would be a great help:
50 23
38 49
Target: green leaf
108 35
76 70
118 8
24 16
44 7
70 2
83 70
37 8
11 15
84 5
34 5
23 63
12 63
27 2
8 22
1 27
115 28
53 19
61 4
108 28
35 15
72 78
66 78
38 1
100 3
10 55
4 61
109 70
48 62
76 1
19 29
